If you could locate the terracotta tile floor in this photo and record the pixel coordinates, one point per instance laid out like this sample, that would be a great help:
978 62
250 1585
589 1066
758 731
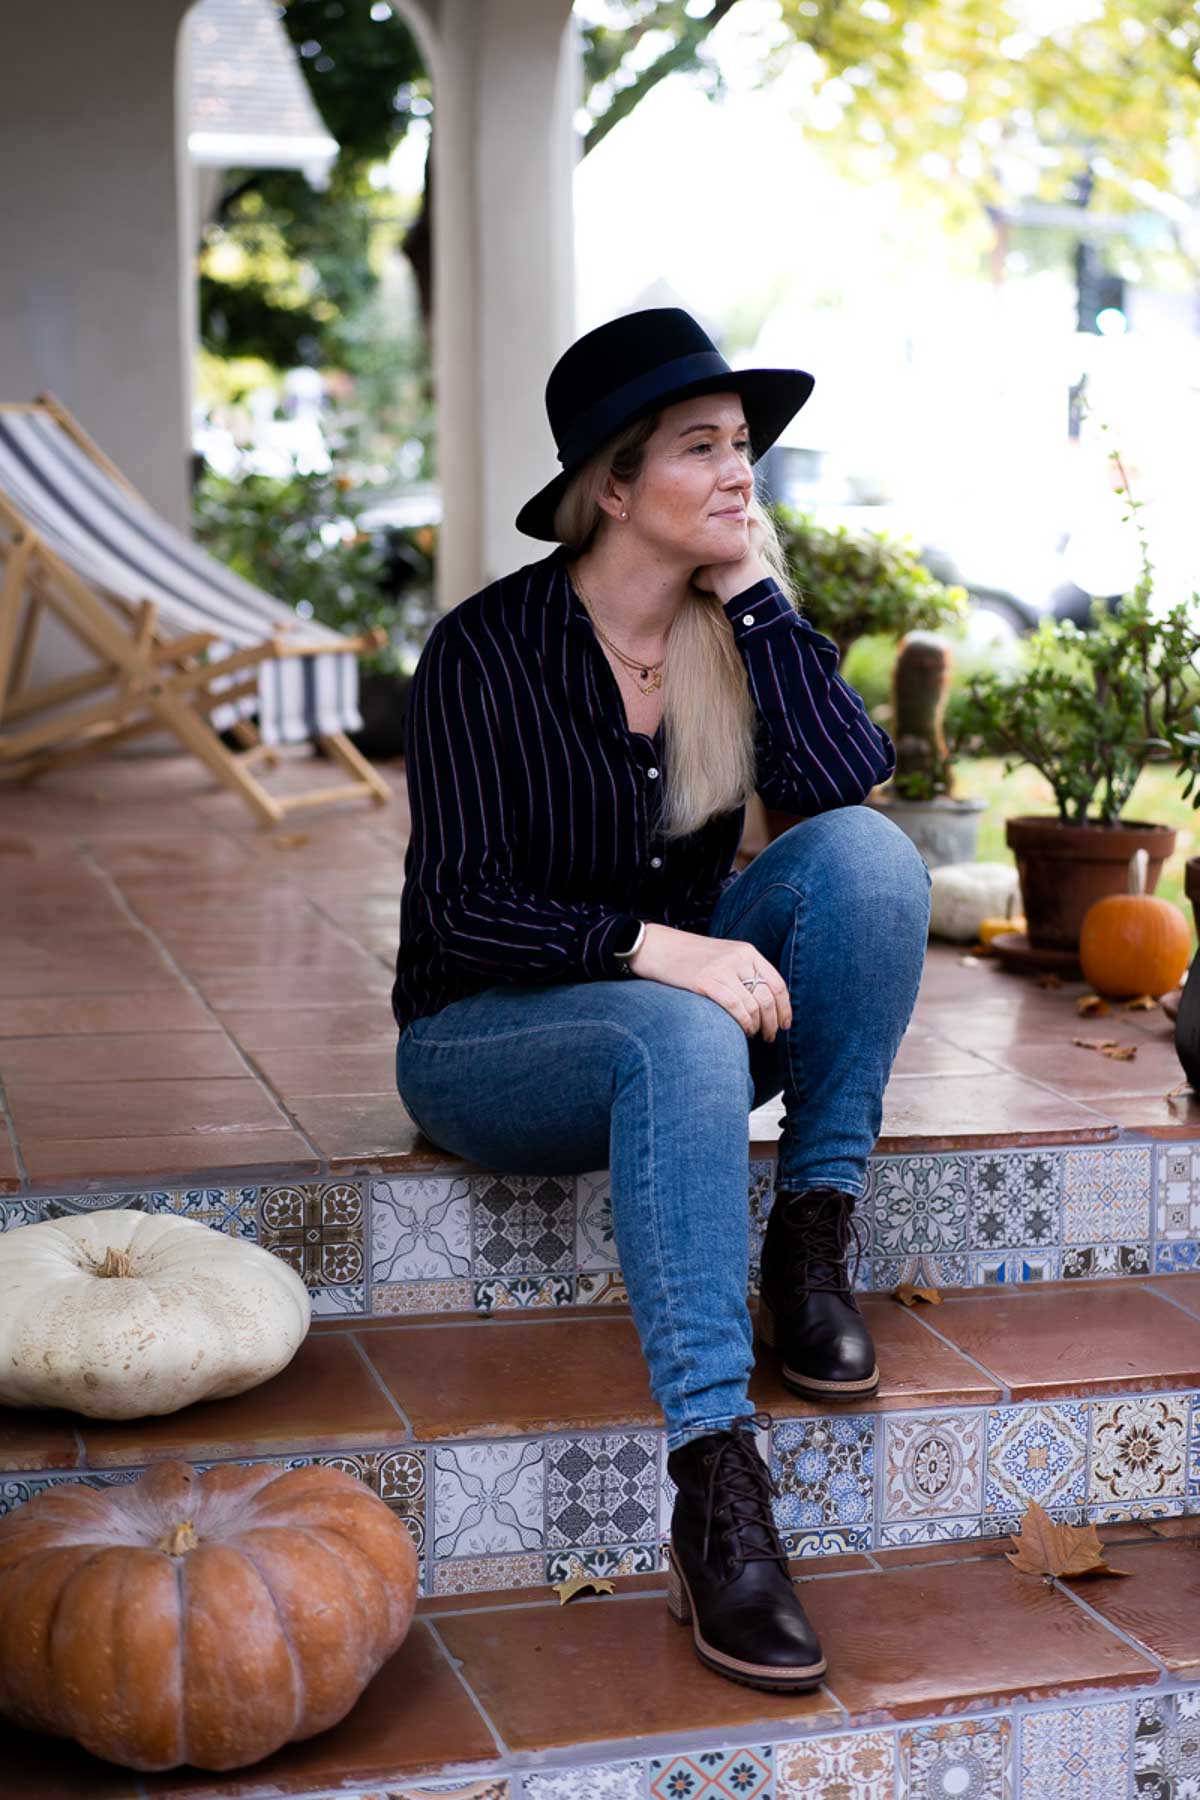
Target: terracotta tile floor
144 905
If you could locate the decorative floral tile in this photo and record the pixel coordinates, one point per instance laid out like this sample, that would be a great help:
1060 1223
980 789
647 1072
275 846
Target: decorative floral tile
1035 1453
1009 1269
932 1465
1016 1199
396 1476
825 1471
928 1531
1178 1210
1173 1259
858 1765
423 1297
1139 1448
713 1775
603 1781
317 1227
14 1213
487 1574
420 1229
837 1541
1106 1195
1075 1753
497 1787
600 1289
920 1271
233 1210
968 1757
15 1490
1166 1746
1080 1261
488 1499
65 1206
919 1204
1137 1511
334 1302
523 1224
520 1291
602 1490
1193 1480
595 1244
621 1559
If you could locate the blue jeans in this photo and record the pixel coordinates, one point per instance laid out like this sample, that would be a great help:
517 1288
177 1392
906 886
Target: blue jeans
654 1083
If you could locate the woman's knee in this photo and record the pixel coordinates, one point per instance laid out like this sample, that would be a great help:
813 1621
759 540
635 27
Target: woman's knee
860 846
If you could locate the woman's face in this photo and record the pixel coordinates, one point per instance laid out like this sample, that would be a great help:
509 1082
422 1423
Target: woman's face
690 500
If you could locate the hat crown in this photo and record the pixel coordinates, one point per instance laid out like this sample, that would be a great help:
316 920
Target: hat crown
616 353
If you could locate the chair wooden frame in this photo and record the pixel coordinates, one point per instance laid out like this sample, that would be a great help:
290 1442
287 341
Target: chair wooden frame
149 680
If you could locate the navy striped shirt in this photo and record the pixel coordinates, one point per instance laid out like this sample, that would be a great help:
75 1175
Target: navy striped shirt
535 843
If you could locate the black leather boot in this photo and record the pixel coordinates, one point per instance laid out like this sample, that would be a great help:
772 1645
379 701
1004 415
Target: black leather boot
728 1575
807 1307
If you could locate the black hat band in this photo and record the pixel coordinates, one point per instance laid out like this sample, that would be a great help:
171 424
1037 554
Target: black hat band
589 429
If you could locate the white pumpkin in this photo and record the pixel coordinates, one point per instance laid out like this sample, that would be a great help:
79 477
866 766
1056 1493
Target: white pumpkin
962 895
121 1314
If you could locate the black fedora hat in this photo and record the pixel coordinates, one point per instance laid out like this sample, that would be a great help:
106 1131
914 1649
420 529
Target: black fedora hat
634 365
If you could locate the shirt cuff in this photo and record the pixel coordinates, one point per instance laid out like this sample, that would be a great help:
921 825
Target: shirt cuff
758 606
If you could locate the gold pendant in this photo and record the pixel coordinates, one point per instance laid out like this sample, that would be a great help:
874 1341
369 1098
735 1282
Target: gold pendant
655 683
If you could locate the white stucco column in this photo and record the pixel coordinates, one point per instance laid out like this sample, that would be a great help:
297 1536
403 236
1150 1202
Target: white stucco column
93 295
506 83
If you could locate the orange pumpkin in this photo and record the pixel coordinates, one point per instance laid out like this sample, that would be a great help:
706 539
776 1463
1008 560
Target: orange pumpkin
1132 943
199 1619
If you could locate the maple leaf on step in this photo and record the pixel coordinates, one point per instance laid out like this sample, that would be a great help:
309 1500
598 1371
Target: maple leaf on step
908 1295
1047 1549
1092 1003
1108 1047
567 1590
1143 1003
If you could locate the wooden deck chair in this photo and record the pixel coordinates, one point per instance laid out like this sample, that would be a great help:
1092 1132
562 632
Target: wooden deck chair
171 639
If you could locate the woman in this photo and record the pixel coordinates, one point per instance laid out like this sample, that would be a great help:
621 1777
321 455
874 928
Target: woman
582 982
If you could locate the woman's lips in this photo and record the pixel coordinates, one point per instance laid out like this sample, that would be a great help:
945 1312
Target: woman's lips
732 512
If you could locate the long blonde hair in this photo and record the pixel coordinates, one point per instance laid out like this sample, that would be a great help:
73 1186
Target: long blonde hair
709 716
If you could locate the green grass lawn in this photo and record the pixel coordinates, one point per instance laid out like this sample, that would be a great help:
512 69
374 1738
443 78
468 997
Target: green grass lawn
1157 799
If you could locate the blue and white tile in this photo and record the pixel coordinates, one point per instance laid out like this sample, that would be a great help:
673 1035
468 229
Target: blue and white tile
602 1490
927 1531
1166 1745
15 1213
488 1499
919 1204
337 1302
1193 1479
1087 1261
420 1229
1178 1193
518 1293
1016 1199
1013 1268
523 1224
599 1781
15 1490
933 1465
1036 1452
967 1757
1139 1449
920 1271
65 1206
1106 1195
1076 1752
603 1564
595 1243
743 1774
824 1469
233 1210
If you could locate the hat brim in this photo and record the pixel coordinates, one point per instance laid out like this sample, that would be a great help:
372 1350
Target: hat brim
771 397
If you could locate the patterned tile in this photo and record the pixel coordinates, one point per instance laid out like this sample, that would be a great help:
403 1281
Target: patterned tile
603 1781
15 1490
1193 1479
488 1499
928 1531
1016 1199
420 1229
518 1291
1139 1448
334 1302
858 1765
1105 1259
921 1271
1035 1453
1178 1209
1172 1259
602 1490
317 1227
523 1224
593 1289
497 1787
932 1465
1166 1746
595 1245
14 1213
969 1757
65 1206
919 1204
713 1775
397 1476
1075 1753
423 1297
1106 1195
830 1542
486 1574
825 1471
1005 1269
620 1559
233 1210
1137 1510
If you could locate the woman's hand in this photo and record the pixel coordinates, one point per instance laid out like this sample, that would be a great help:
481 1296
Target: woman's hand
729 578
714 967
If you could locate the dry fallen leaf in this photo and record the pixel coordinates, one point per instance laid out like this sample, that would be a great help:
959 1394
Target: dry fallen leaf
567 1590
1092 1003
1047 1549
1143 1003
291 840
1108 1047
1185 1087
1049 979
908 1295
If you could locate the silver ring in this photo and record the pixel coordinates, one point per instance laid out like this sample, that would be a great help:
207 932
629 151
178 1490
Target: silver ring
753 981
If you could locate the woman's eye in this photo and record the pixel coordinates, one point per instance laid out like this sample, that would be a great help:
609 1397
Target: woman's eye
742 444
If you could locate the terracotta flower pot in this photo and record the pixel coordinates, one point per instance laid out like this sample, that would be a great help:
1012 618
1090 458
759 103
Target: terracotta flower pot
1064 869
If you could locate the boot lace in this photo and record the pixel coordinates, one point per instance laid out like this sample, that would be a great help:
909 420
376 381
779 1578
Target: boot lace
825 1228
738 1502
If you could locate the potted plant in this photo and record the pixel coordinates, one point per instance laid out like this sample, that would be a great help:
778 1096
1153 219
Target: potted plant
1090 711
921 795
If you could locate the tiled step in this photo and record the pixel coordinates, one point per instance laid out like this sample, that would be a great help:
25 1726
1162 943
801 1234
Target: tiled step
948 1674
455 1240
525 1449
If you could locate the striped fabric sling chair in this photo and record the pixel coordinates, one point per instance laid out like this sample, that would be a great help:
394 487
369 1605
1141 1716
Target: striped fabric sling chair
169 639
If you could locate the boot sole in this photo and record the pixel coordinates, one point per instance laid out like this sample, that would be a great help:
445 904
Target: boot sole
810 1384
755 1675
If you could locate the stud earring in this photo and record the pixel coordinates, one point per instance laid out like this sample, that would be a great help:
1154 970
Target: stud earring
624 515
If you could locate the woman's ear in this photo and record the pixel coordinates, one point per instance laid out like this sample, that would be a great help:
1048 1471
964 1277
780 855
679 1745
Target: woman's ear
613 503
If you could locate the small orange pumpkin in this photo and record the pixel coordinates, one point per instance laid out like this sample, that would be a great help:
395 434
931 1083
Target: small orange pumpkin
1132 943
199 1619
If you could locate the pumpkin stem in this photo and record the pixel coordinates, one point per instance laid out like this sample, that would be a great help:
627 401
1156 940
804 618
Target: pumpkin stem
179 1540
1139 865
116 1265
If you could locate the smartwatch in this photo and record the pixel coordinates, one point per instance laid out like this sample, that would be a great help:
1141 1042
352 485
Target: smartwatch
631 949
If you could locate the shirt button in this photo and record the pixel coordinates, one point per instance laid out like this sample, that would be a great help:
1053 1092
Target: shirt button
747 618
656 862
652 773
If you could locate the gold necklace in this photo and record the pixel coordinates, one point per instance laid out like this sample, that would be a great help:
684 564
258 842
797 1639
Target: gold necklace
642 670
